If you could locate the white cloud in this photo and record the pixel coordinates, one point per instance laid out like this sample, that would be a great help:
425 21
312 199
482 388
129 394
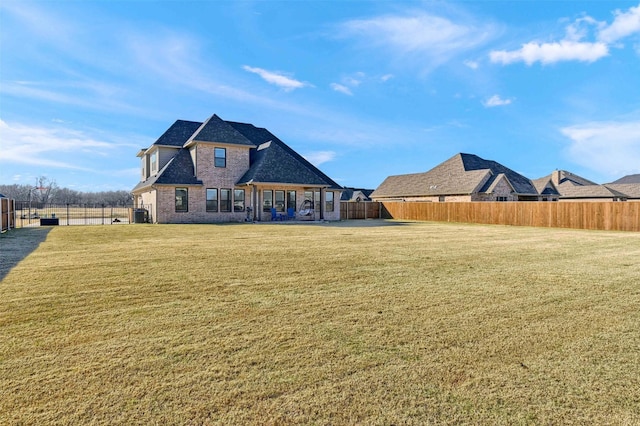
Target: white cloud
611 147
341 88
548 53
496 101
429 39
474 65
574 47
318 157
48 147
624 24
386 77
276 78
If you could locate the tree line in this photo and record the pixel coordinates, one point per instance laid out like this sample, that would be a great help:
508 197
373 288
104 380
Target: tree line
47 191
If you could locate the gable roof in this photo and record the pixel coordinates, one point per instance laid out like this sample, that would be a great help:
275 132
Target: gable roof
351 194
178 134
215 129
462 174
628 179
275 162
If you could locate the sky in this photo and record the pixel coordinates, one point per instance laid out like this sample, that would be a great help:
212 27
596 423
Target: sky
362 89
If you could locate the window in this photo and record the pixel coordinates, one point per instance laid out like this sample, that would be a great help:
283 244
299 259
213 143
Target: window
279 201
308 198
238 200
502 199
329 201
441 198
291 200
225 200
182 200
154 162
220 157
267 200
212 200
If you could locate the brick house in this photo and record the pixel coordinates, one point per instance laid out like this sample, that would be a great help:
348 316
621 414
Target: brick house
224 171
464 178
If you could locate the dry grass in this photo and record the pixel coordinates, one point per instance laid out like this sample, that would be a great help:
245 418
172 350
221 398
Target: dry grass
322 324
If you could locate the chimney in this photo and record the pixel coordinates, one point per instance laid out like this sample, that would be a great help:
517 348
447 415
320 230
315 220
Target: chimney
555 177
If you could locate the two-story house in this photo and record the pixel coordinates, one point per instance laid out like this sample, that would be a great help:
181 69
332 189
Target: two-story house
223 171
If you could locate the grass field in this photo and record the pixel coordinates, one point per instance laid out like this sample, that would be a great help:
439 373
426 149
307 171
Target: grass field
350 323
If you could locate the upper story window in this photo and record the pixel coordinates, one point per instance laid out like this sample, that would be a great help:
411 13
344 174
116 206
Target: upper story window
153 158
220 157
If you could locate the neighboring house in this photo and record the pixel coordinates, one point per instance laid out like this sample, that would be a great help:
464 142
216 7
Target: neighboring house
356 194
572 187
224 171
463 177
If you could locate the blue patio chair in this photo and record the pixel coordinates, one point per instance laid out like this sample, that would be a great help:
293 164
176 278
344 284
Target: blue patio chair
291 213
274 215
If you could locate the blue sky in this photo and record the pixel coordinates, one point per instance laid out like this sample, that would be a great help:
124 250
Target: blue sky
363 89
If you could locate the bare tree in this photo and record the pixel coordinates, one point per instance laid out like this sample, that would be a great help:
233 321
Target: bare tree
45 189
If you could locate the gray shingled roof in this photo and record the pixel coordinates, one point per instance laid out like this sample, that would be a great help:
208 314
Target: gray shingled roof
178 133
571 190
275 162
217 130
630 190
462 174
628 179
271 160
178 171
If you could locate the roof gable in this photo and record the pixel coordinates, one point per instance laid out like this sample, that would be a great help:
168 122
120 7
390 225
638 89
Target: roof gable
217 130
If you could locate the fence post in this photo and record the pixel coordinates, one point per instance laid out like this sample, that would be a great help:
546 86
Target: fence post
103 214
68 218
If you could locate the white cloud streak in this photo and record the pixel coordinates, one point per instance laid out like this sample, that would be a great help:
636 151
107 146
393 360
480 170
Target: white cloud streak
624 25
276 78
318 157
496 101
50 147
549 53
341 88
612 147
430 39
573 47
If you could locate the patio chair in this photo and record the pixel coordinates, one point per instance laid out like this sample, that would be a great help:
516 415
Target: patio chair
291 213
274 215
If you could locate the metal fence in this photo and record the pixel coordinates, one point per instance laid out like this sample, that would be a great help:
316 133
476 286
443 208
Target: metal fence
36 214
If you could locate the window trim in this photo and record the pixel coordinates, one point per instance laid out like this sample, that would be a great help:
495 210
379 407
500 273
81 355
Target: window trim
226 205
184 199
220 161
266 208
235 199
207 199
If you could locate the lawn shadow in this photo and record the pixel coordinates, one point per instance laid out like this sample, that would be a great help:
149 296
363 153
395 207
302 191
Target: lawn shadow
17 244
365 223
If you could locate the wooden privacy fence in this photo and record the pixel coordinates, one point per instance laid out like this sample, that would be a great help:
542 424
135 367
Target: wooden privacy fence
359 210
614 216
7 211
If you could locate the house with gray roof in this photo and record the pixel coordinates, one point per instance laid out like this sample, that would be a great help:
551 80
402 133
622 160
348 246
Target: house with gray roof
572 187
464 177
225 171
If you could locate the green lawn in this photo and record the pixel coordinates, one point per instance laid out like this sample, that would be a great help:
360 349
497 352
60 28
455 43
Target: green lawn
349 323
